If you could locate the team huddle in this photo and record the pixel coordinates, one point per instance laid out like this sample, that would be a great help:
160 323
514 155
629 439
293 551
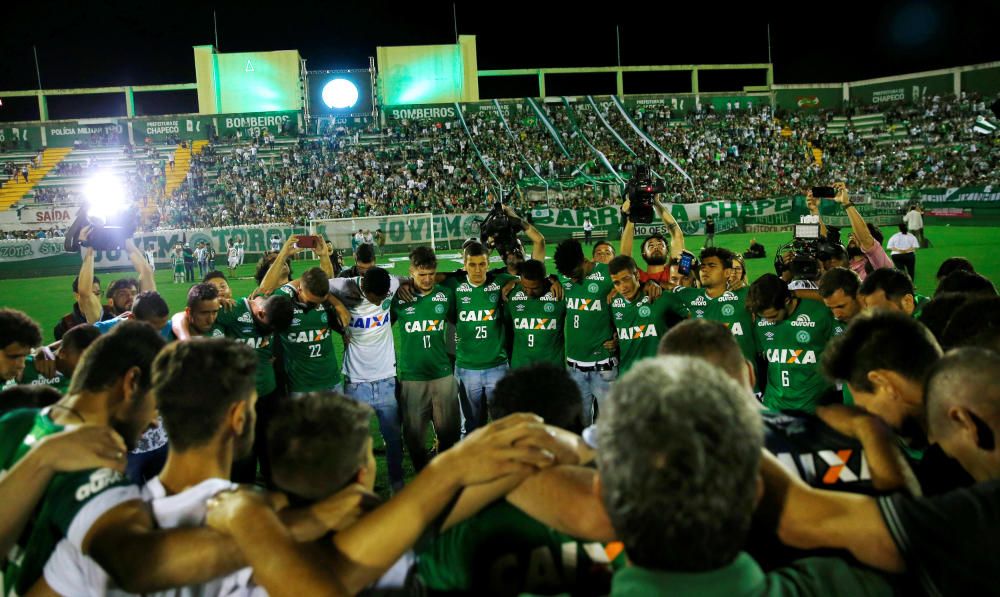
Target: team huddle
597 428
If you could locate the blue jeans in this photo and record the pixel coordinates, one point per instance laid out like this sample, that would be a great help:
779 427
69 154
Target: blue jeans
381 395
475 392
593 388
203 268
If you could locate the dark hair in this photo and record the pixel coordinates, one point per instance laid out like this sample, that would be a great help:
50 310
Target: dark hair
316 443
122 283
568 257
622 263
903 228
543 389
978 317
76 283
600 243
533 270
880 340
149 305
423 257
724 255
316 281
265 264
365 253
767 292
376 281
876 232
279 310
839 278
938 312
213 275
953 264
79 338
473 249
967 283
17 327
705 339
893 282
129 344
28 396
195 383
201 292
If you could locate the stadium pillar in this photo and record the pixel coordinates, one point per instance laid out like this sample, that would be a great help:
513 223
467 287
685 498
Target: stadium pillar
541 84
129 103
694 80
620 80
43 108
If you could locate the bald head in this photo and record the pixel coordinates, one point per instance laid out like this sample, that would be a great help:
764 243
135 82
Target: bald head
963 409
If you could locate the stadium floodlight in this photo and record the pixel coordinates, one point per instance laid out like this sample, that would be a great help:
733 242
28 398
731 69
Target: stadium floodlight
339 94
105 197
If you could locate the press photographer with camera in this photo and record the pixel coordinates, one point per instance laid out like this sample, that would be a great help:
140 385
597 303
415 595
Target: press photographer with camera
639 208
865 246
499 231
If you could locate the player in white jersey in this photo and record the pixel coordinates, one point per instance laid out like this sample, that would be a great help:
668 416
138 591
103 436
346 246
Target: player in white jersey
370 356
206 394
240 249
233 256
151 257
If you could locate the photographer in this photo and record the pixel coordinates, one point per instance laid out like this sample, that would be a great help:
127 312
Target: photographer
513 256
121 292
654 248
865 246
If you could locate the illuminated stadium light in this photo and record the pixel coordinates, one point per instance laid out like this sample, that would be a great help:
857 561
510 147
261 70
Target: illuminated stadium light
339 94
105 196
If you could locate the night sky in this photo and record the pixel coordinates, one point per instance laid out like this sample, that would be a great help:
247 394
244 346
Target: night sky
89 44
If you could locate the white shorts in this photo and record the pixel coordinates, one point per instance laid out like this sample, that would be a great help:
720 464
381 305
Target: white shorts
234 261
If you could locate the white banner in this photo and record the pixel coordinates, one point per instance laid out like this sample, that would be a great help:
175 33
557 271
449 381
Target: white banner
45 217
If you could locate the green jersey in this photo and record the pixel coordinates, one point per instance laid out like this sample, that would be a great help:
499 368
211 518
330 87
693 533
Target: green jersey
480 326
238 324
537 325
503 550
31 377
310 361
728 308
72 503
640 323
422 352
793 348
588 316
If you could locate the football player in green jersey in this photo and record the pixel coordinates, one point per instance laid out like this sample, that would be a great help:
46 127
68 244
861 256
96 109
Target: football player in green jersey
503 542
536 317
639 320
838 287
590 335
481 352
310 360
792 334
716 302
98 510
19 334
428 388
67 356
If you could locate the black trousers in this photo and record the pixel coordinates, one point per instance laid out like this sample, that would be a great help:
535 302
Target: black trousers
906 262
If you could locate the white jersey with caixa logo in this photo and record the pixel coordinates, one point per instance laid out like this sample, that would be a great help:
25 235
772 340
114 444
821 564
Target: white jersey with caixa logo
69 572
369 352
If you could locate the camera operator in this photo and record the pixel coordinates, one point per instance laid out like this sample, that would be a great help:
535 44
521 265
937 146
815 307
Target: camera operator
655 251
513 256
120 292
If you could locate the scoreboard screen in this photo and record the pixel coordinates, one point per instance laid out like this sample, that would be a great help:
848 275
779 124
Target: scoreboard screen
340 92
